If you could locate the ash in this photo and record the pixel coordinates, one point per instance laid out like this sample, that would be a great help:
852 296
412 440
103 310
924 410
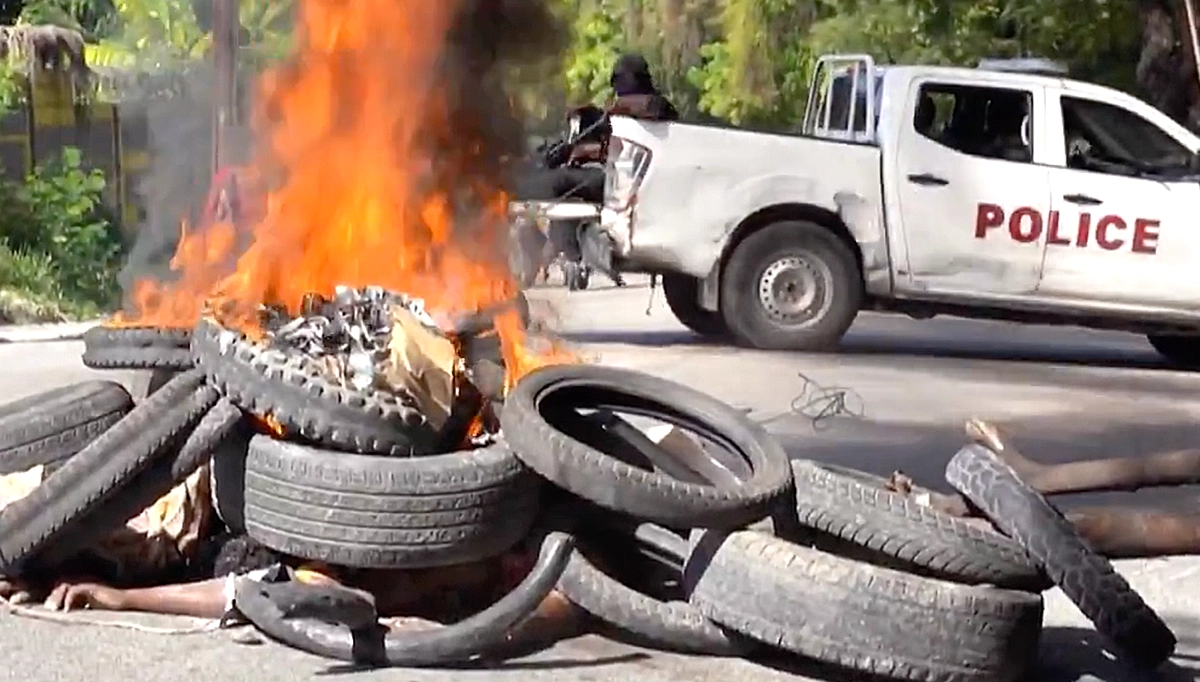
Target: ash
349 333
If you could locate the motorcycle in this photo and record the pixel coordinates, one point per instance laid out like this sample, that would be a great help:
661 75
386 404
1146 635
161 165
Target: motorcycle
534 250
547 232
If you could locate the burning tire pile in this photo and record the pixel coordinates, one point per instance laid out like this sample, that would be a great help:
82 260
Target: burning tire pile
331 437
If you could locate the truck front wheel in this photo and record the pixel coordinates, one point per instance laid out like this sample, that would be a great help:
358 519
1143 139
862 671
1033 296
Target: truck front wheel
792 285
683 298
1179 349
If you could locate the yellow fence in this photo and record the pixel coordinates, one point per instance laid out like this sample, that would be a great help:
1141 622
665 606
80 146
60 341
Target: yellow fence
51 119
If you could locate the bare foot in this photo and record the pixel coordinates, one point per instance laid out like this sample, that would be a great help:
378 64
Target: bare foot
986 434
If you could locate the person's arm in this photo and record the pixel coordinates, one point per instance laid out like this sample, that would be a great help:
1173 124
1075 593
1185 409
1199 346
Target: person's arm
556 154
205 599
587 151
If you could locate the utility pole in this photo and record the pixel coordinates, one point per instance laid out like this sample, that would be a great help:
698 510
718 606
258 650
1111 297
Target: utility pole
1189 10
224 48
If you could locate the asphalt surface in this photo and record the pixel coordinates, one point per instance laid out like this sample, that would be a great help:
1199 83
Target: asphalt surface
1062 393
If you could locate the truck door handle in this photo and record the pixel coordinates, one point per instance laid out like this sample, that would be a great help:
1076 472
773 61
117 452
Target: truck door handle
1082 199
927 179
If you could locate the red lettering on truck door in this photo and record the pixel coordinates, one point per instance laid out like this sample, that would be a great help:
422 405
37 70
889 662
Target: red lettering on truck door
1052 235
1035 225
1106 223
987 216
1145 236
1083 230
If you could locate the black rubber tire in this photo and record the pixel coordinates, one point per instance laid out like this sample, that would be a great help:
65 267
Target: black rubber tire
1179 349
218 423
618 486
682 293
50 427
862 617
899 532
364 511
228 478
291 388
1087 578
670 625
101 470
485 632
744 315
137 348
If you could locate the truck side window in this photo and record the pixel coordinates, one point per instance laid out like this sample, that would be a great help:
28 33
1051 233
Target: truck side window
989 122
1104 138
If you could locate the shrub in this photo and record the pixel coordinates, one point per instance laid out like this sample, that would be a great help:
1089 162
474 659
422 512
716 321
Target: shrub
29 290
55 225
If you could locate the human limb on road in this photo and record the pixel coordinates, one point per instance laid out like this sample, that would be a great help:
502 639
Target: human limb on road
204 599
1112 531
429 594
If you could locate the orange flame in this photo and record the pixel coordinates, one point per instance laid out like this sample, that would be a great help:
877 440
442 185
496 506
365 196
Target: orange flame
361 191
269 424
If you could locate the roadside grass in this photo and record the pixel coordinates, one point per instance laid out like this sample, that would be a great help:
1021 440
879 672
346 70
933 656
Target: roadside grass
30 292
60 246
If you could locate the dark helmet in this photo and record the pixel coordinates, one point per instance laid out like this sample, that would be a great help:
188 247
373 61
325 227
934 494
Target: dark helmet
631 76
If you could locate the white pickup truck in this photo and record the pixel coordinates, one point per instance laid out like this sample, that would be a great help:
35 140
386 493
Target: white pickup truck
990 192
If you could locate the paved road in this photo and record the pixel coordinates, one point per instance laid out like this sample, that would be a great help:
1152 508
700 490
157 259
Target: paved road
1064 394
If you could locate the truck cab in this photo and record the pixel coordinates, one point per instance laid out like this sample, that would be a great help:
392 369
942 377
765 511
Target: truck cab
1007 191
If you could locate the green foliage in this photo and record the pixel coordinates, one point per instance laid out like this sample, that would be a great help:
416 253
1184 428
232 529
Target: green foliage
29 290
57 228
92 18
12 87
749 61
596 40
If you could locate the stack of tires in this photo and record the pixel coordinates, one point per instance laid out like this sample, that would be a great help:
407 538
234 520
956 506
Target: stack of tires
725 549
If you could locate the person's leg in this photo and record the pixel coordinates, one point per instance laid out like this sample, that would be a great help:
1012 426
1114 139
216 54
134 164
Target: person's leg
580 184
565 236
537 184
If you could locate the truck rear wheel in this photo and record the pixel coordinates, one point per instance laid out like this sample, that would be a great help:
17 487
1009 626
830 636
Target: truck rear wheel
792 285
1179 349
683 298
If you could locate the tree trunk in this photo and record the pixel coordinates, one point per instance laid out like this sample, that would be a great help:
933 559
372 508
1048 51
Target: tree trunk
1166 71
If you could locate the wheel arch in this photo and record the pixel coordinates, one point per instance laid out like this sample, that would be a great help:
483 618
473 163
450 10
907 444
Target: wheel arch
791 211
768 215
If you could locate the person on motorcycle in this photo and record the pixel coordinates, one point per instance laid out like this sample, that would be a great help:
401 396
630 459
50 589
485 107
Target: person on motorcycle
573 164
635 96
560 176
